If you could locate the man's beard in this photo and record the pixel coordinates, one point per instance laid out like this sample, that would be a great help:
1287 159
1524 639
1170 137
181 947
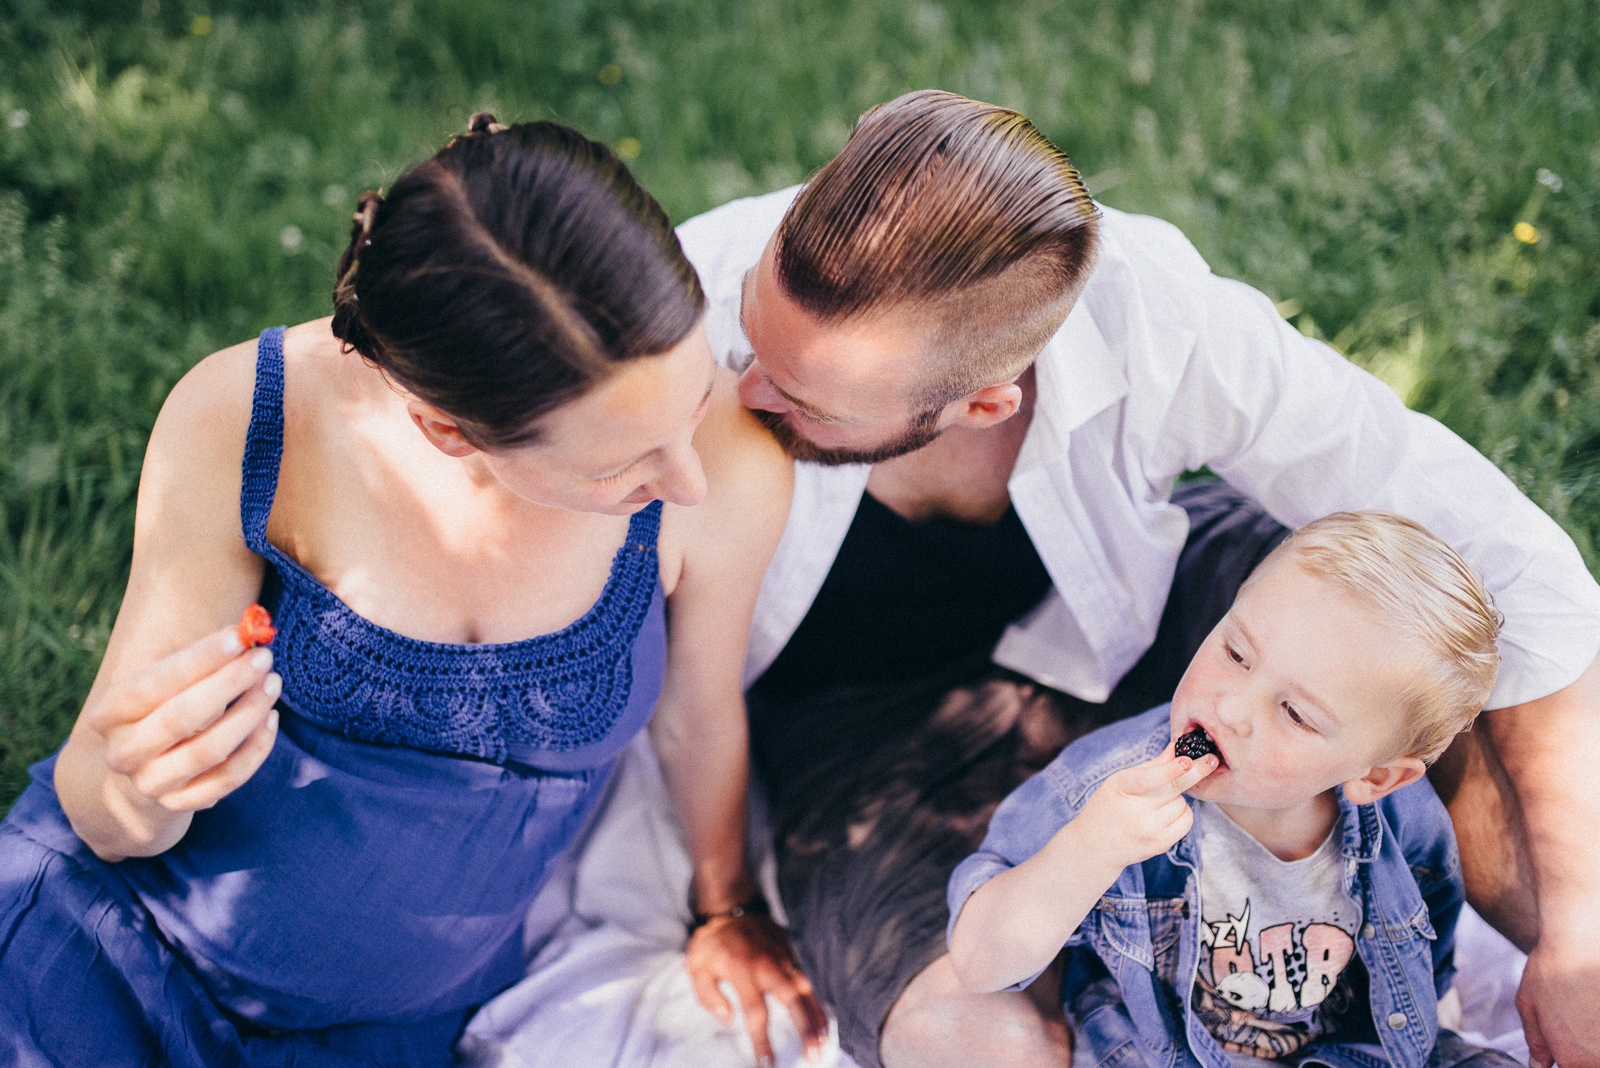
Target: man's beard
920 431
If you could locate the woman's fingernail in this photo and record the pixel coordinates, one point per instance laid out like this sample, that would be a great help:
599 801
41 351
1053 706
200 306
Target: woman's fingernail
261 659
231 643
273 685
272 721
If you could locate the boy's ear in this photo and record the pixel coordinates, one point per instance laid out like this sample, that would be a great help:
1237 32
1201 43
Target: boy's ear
1384 779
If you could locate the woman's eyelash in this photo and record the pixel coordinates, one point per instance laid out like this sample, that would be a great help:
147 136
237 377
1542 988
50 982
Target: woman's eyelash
1233 654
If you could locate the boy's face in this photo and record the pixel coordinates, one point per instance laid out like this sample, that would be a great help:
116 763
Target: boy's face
1298 688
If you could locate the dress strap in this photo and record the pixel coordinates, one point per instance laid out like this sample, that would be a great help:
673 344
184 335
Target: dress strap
645 526
263 443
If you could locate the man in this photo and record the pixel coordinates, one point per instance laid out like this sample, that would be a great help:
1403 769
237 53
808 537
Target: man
993 388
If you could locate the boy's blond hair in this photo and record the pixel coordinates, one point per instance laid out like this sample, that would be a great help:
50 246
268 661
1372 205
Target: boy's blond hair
1420 586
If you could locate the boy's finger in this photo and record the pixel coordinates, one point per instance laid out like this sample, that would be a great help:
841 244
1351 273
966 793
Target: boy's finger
1155 778
138 695
1199 770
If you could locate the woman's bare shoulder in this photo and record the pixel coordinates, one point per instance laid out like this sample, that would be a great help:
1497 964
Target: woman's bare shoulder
738 453
749 482
210 406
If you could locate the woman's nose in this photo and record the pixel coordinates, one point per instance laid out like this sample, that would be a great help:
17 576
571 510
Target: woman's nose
755 391
682 480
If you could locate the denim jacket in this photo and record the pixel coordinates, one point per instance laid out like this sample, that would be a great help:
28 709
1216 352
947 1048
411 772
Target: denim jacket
1400 862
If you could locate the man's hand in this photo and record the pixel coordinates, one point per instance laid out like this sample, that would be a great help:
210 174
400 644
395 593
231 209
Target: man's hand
1559 1001
1538 745
752 953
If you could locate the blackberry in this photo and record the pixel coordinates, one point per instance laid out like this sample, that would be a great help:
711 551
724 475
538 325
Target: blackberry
1196 744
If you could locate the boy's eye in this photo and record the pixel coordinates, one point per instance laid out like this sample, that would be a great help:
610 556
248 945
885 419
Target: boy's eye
1294 716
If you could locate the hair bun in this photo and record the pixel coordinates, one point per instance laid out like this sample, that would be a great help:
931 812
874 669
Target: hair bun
484 122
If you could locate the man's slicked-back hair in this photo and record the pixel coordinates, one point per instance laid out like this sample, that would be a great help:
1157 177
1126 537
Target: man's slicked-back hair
950 206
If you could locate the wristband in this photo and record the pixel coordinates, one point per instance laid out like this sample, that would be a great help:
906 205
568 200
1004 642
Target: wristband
756 906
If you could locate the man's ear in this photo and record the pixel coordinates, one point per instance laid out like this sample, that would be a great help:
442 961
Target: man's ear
443 432
1384 779
989 406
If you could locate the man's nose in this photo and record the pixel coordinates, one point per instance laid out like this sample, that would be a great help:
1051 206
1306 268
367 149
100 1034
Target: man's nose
756 391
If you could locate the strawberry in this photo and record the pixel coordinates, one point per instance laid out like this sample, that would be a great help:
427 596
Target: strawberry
255 627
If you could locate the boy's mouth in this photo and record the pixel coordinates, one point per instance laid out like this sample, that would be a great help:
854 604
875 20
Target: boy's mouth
1196 743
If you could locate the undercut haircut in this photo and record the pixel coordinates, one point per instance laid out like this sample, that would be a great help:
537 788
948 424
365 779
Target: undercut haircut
960 212
1422 588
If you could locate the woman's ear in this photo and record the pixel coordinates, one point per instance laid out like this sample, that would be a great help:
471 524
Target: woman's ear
1384 779
442 431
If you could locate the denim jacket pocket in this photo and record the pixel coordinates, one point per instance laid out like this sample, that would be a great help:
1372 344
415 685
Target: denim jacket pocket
1122 931
1417 934
1165 917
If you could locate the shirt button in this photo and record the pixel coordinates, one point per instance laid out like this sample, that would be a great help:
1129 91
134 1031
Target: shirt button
1368 931
1397 1020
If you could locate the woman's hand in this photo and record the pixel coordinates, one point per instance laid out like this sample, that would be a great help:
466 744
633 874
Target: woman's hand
169 740
752 954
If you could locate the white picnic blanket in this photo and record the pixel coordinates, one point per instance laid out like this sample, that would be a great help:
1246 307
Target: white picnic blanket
606 986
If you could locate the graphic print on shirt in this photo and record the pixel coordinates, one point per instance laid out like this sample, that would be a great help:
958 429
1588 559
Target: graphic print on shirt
1269 992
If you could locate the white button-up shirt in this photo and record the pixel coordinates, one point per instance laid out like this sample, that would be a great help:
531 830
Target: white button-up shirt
1163 368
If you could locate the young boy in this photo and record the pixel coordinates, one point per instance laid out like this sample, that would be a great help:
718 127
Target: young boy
1298 905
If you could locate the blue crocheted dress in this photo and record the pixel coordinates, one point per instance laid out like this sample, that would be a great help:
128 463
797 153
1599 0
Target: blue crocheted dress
365 890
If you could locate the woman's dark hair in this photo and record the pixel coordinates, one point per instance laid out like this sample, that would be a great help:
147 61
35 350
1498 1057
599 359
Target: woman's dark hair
510 274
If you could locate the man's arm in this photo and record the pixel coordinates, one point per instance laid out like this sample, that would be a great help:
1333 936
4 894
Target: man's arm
1290 422
1548 750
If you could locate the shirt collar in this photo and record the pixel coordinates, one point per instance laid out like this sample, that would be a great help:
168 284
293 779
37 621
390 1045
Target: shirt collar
1076 376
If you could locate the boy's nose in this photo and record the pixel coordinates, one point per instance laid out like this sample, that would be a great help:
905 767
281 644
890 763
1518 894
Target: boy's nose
1233 714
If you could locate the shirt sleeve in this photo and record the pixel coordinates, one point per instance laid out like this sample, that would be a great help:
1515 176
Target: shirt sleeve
1291 422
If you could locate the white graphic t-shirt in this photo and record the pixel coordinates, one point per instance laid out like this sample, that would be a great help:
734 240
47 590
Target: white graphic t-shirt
1275 938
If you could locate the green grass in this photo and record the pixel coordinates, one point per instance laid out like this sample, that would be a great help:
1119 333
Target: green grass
1362 162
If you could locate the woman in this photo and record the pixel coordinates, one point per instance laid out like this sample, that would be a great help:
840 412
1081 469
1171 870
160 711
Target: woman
464 506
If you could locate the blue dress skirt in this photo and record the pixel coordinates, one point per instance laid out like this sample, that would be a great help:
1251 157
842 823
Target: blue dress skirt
365 890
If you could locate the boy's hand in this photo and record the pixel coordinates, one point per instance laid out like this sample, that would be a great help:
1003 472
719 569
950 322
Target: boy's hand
1140 811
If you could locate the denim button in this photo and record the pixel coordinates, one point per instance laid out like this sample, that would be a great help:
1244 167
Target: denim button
1368 931
1397 1020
